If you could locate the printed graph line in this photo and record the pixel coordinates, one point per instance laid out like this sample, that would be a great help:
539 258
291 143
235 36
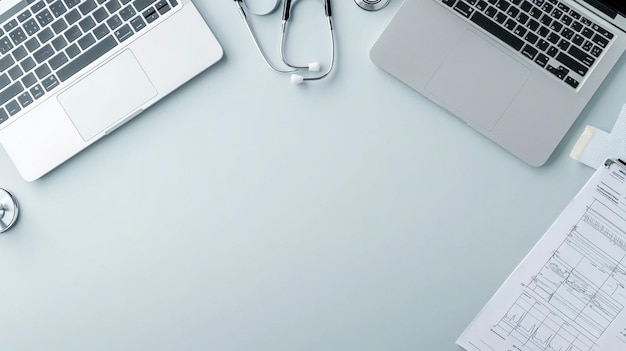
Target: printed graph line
536 328
578 293
585 278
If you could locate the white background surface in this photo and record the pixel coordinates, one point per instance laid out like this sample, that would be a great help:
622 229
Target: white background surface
243 213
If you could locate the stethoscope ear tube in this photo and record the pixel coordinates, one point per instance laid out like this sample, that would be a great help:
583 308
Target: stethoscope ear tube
286 10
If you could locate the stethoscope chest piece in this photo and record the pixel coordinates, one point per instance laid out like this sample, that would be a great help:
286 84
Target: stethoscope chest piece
372 5
8 210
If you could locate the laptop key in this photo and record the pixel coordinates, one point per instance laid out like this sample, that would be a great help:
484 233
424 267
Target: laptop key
59 25
4 81
86 41
491 11
42 71
24 16
72 17
10 92
150 15
44 53
32 44
497 31
531 38
87 57
15 72
503 5
123 33
10 25
6 62
127 13
572 82
101 31
45 35
5 45
572 64
72 33
596 51
58 8
28 64
50 83
87 24
112 6
18 36
461 7
38 6
581 56
138 23
552 51
3 116
58 60
29 80
72 51
100 14
13 107
566 20
500 17
142 4
529 51
59 43
25 99
19 53
87 6
36 91
114 22
558 72
542 60
31 27
535 13
71 3
163 7
588 33
600 40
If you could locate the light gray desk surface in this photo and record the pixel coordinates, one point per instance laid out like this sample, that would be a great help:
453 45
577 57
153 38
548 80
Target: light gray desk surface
243 213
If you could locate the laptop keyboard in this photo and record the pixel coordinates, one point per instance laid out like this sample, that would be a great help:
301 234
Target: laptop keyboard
547 32
49 41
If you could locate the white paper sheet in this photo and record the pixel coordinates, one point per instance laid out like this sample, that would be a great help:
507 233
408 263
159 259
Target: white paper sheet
569 293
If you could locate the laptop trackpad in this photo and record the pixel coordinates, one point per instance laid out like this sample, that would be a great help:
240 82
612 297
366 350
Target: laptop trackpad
478 80
106 95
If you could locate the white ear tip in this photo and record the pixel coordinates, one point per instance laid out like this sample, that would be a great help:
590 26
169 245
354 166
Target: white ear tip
296 79
314 66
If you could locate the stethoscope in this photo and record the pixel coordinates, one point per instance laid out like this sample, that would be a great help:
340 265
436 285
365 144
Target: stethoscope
294 69
8 210
372 5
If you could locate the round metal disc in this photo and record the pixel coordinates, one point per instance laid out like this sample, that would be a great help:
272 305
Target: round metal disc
8 210
372 5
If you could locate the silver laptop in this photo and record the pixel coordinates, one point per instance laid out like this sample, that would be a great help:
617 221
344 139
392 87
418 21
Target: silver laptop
72 71
517 71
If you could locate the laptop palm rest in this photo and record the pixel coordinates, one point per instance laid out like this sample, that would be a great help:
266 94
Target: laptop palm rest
88 102
477 81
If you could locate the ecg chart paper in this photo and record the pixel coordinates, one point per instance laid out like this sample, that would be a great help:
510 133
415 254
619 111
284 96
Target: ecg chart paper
569 292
